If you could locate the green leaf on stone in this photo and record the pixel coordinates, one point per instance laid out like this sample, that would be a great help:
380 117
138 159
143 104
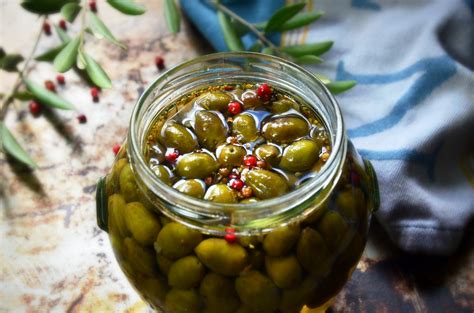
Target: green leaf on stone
282 15
62 34
9 62
299 20
310 48
128 7
337 87
96 73
308 59
70 11
101 31
45 6
47 97
23 95
67 57
232 40
172 15
51 54
11 146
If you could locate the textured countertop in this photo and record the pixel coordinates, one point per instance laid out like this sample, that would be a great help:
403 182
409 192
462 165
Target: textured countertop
54 258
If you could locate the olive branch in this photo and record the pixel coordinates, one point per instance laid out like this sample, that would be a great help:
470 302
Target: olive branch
287 18
69 55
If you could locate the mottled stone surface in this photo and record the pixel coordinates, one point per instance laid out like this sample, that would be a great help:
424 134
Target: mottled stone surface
54 258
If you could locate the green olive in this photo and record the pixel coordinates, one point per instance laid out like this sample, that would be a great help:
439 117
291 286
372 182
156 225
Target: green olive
174 135
192 187
316 214
222 257
143 224
283 105
333 228
182 301
164 264
250 100
281 240
257 259
269 153
244 127
300 156
140 258
196 165
128 185
285 129
257 292
116 207
210 129
249 241
230 155
351 255
351 204
154 289
112 181
285 271
221 193
312 253
186 273
266 184
163 173
175 240
249 200
293 299
219 294
164 220
214 100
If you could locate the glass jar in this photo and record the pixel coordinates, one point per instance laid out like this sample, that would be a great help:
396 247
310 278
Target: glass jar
291 254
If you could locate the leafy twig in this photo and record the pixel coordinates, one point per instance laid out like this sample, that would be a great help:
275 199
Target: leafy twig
18 81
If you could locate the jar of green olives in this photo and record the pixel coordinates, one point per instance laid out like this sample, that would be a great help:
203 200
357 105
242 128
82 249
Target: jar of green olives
237 190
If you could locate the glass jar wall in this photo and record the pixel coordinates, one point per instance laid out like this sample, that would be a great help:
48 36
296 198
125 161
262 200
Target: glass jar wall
290 254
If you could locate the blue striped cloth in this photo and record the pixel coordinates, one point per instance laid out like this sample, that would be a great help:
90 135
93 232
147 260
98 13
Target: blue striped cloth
412 112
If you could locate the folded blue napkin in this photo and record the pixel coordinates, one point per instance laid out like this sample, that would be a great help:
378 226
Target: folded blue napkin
412 112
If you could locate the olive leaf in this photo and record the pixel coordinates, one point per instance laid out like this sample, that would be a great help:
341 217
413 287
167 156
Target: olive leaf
2 53
47 97
81 62
128 7
232 40
101 31
282 15
337 87
268 50
308 59
66 58
51 54
11 146
308 49
96 73
63 36
256 47
9 62
240 29
23 95
45 6
172 15
70 11
299 20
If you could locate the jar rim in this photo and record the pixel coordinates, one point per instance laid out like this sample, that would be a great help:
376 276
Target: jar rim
331 168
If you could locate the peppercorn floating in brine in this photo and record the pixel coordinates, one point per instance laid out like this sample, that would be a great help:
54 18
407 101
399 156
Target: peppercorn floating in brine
237 143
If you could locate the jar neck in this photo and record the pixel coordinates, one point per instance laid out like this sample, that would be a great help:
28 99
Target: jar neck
216 69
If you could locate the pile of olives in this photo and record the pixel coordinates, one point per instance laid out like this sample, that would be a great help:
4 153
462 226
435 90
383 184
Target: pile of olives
178 269
237 143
